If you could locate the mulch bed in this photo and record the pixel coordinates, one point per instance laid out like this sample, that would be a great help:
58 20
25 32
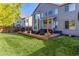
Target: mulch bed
43 37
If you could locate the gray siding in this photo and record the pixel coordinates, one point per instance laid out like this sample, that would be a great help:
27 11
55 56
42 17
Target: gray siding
62 17
43 8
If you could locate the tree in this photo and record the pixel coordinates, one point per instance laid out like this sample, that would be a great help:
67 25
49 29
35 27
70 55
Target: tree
9 13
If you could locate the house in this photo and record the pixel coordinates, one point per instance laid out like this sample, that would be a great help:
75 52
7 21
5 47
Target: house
29 21
23 23
20 24
62 18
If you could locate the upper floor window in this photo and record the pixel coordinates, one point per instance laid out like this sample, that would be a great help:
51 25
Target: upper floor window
56 11
42 15
70 7
50 12
53 12
67 8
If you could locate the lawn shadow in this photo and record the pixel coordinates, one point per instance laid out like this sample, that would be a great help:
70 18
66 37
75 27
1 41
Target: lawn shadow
48 50
55 48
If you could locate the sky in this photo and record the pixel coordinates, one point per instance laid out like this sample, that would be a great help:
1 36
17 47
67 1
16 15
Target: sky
27 9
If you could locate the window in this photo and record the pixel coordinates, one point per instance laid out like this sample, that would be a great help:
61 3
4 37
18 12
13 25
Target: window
50 21
70 7
42 15
37 16
66 24
56 11
45 22
53 12
66 8
35 22
41 23
34 18
70 25
50 12
27 20
56 24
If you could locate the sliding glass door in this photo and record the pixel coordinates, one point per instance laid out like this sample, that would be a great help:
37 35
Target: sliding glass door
54 24
36 22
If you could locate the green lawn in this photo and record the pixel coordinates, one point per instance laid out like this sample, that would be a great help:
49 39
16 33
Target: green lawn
16 45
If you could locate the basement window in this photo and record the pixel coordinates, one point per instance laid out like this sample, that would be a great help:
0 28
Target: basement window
70 25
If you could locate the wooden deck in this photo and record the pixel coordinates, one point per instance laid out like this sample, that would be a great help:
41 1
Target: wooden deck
43 37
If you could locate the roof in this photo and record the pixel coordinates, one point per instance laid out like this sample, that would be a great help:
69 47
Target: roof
58 4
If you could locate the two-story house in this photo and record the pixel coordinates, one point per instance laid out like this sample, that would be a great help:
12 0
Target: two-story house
62 17
20 24
39 16
23 23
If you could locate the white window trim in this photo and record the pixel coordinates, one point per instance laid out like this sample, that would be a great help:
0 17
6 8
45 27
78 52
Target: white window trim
72 7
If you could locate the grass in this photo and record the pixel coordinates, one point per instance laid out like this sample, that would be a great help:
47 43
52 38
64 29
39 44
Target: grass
19 45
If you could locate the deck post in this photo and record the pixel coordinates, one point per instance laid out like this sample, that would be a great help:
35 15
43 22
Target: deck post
47 24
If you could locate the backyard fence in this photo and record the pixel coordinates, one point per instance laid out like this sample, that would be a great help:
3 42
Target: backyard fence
5 29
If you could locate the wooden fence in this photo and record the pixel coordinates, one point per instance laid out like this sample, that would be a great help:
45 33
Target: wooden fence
6 29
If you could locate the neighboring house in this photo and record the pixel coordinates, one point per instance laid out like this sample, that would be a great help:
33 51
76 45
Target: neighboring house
22 23
62 17
29 21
